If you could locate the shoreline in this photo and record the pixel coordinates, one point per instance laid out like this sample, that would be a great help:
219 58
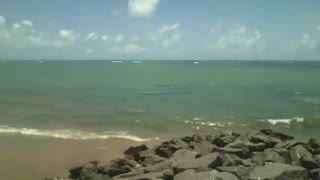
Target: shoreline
256 154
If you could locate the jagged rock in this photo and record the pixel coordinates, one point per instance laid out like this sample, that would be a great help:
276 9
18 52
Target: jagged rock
269 141
57 178
223 140
113 168
158 166
315 174
226 176
313 143
272 156
134 151
192 175
149 157
255 146
197 138
285 154
203 148
75 172
259 158
164 152
177 143
278 135
165 174
237 151
242 172
287 144
301 156
277 171
229 160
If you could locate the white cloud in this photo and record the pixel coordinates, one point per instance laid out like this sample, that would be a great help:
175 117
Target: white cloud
88 51
167 28
2 20
309 43
142 8
104 37
119 38
27 23
237 40
172 40
16 26
91 37
69 35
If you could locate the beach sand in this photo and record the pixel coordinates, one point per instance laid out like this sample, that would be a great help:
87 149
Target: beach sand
34 158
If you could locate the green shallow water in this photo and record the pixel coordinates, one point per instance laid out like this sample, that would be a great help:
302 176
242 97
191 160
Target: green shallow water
158 96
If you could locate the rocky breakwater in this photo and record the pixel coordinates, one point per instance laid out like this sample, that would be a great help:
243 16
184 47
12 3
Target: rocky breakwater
258 155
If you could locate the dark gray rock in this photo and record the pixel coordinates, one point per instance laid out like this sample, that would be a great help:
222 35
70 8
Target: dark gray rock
203 148
255 146
287 144
74 173
301 156
197 138
272 156
165 174
241 172
221 141
259 158
314 143
229 160
164 152
158 166
192 175
315 174
269 141
278 135
226 176
237 151
112 168
277 171
285 154
133 152
149 157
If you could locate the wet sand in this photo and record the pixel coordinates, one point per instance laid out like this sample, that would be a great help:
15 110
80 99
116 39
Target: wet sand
34 158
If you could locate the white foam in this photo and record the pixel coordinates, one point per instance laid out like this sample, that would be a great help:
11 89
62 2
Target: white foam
71 134
138 62
284 121
116 61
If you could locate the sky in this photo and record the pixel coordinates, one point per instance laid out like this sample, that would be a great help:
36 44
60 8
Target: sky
160 29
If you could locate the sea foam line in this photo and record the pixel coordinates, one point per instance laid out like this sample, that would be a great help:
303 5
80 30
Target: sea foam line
71 134
284 121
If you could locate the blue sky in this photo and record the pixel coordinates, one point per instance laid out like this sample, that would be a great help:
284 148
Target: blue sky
160 29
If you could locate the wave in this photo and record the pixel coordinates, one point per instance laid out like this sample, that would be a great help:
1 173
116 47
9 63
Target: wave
71 134
284 121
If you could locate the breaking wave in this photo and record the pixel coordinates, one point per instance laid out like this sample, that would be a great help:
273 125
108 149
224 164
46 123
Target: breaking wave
284 121
71 134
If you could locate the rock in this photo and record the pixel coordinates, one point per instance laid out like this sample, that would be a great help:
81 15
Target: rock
237 151
197 138
315 174
164 152
317 158
285 154
57 178
178 144
259 158
241 171
301 156
113 168
192 175
149 157
277 171
158 166
165 174
313 143
203 148
134 151
75 172
286 144
272 156
89 171
255 146
229 160
208 161
224 140
278 135
226 176
269 141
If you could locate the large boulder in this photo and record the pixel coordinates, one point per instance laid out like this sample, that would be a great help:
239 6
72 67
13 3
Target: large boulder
301 156
277 171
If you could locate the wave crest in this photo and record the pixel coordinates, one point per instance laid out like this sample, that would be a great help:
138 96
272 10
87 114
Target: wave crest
71 133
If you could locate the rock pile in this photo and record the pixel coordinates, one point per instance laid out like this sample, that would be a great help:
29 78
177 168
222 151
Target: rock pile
258 155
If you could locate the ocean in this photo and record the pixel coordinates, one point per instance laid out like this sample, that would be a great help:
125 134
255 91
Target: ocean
141 100
55 115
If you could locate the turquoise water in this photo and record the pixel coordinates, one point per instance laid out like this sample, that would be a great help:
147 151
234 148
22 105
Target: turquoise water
158 96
